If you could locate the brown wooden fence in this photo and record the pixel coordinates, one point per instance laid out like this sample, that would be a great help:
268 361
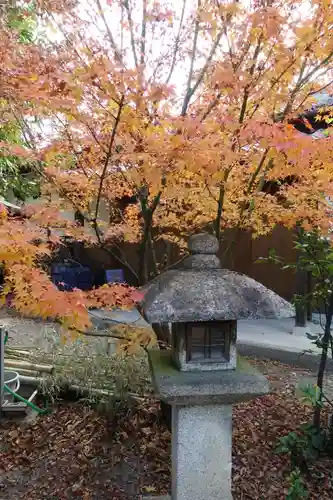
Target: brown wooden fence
242 257
246 252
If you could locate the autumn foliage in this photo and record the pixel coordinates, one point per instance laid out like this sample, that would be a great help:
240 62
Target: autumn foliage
23 246
184 107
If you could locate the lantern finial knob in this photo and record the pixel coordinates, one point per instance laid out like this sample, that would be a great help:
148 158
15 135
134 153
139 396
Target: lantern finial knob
203 248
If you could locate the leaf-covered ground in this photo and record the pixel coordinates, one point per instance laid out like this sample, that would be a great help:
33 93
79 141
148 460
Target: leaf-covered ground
77 453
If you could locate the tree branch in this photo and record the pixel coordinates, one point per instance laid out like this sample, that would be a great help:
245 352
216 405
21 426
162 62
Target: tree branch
152 252
74 151
322 63
235 67
130 22
176 47
230 51
203 72
220 204
111 38
94 135
209 191
143 33
257 171
108 155
249 188
303 80
189 93
324 87
70 43
251 72
212 106
39 169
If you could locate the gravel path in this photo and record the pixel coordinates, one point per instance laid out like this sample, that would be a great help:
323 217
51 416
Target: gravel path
43 335
24 331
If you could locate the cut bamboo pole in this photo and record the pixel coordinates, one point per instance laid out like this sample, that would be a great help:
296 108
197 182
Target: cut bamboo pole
16 352
84 390
26 350
31 380
29 366
103 392
21 371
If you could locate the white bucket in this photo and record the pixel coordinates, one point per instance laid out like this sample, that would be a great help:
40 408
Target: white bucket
12 380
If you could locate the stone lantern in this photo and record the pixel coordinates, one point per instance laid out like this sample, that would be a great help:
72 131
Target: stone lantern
201 375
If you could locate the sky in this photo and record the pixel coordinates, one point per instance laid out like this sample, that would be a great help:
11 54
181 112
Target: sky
160 42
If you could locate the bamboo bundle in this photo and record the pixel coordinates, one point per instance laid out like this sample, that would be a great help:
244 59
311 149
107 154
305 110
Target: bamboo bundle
35 367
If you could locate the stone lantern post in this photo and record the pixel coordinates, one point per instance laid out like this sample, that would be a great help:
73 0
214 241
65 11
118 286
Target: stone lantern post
201 376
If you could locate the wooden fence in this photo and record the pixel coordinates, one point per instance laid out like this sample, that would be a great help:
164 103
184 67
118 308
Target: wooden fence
242 257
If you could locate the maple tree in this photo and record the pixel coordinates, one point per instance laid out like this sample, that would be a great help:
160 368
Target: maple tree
26 239
184 108
14 172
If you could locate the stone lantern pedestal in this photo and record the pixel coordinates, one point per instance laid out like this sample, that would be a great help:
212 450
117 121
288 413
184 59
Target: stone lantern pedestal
202 423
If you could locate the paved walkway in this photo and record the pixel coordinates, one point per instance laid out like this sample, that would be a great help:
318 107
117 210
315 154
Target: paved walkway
272 339
277 334
278 340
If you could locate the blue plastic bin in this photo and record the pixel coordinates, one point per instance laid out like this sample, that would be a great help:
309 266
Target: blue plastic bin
70 277
114 276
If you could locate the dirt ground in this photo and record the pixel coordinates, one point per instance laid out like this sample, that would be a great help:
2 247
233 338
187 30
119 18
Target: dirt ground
77 452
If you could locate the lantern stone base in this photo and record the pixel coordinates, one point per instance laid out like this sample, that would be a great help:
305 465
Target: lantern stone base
201 452
205 387
202 423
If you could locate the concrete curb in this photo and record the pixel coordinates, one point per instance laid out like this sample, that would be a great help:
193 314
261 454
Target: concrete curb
306 361
167 497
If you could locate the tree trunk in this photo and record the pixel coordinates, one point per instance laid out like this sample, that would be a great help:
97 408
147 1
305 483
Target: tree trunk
143 257
219 213
300 289
326 341
147 212
152 254
309 292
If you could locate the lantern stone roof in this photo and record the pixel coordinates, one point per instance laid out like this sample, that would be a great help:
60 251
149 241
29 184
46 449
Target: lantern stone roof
202 291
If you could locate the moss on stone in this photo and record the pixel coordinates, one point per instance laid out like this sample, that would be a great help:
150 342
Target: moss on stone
161 361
